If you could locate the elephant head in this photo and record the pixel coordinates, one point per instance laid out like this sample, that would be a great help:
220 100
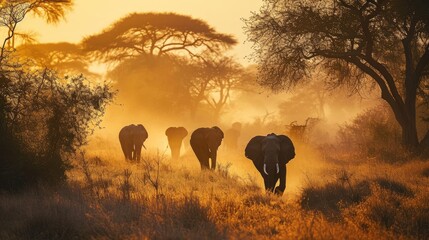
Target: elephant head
175 137
205 143
270 154
132 138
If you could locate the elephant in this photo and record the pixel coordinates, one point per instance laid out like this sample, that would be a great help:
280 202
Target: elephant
132 138
175 137
232 135
270 154
204 143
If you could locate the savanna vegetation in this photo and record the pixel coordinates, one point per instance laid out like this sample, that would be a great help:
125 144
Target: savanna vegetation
364 177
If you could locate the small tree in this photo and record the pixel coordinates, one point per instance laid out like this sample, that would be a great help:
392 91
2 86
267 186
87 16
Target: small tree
384 42
212 83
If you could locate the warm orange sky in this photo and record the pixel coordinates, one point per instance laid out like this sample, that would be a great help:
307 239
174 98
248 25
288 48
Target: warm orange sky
91 16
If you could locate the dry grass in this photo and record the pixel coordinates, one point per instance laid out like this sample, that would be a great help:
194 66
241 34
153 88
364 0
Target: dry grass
107 198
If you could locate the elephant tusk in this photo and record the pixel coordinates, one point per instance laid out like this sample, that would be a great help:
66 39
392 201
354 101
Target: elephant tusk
265 168
278 170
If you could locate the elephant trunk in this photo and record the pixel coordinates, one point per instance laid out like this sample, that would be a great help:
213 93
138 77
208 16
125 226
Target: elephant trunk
271 163
277 168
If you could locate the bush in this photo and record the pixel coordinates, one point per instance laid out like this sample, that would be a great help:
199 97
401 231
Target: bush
44 119
373 133
394 186
335 195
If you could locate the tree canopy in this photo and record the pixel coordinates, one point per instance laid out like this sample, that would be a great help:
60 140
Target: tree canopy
381 42
156 34
65 58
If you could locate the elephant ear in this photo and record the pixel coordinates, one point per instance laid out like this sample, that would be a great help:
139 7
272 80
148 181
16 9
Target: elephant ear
169 131
253 149
287 150
219 131
146 135
182 132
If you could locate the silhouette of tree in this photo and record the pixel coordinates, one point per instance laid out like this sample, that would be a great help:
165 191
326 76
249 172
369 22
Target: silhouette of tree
65 58
383 42
212 83
13 12
143 81
156 34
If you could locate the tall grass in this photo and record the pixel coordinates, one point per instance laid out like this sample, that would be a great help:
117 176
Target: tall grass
362 190
120 203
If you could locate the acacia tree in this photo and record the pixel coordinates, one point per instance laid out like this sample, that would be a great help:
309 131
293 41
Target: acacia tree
384 42
65 58
156 34
212 83
12 12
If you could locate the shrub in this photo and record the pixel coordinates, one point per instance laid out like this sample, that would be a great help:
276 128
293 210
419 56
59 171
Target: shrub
394 186
44 120
373 133
335 195
425 172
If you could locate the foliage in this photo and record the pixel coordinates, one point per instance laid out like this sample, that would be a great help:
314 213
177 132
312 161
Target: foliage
212 83
178 85
12 12
49 117
331 197
381 43
156 34
65 58
373 133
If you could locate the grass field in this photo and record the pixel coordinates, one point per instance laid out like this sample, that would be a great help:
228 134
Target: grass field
327 197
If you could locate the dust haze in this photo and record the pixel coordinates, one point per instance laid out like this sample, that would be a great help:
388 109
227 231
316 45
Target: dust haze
149 95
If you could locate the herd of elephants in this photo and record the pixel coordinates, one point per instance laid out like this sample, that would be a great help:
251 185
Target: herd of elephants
269 153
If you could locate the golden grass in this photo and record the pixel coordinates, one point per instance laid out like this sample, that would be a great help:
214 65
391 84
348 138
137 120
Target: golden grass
107 198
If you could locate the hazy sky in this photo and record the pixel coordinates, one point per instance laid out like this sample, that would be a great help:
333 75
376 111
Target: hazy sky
91 16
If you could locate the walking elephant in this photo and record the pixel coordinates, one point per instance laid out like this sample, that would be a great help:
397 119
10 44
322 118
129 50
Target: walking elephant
132 138
232 135
204 143
270 154
175 137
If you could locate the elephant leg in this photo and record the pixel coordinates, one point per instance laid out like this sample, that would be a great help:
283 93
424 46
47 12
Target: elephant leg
133 153
204 160
269 183
202 154
281 188
129 152
213 164
137 152
126 149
